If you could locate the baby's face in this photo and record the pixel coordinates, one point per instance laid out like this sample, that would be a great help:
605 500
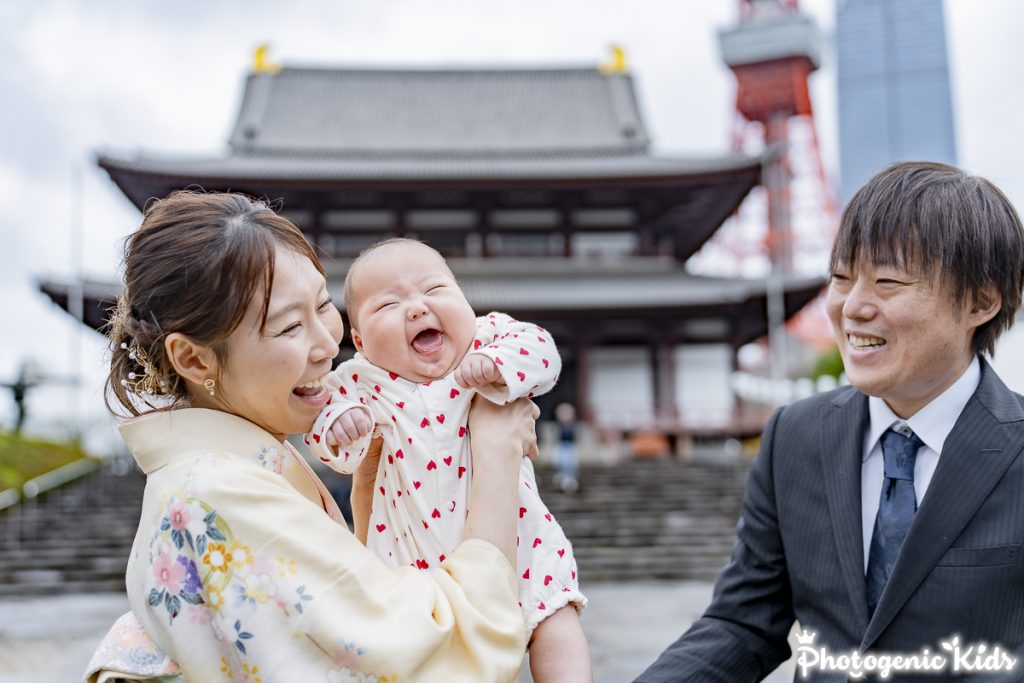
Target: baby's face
413 319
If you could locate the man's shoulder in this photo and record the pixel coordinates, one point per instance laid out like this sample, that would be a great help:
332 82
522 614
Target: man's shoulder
807 408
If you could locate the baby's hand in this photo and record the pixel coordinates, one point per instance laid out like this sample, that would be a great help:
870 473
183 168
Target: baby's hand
476 370
351 426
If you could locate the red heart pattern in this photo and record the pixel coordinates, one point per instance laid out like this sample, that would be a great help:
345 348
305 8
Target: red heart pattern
529 354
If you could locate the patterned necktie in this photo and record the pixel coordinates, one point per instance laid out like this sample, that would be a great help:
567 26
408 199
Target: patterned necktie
895 511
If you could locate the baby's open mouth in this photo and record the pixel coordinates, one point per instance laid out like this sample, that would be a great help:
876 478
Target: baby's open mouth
428 341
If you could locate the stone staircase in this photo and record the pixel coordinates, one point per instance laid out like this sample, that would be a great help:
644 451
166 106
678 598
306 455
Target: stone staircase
644 519
75 539
650 519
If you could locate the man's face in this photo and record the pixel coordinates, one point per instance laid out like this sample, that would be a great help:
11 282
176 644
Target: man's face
901 336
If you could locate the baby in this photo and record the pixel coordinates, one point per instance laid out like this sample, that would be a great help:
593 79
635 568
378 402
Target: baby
422 355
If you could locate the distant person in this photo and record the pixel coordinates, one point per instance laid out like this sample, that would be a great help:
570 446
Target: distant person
567 476
889 516
422 357
242 568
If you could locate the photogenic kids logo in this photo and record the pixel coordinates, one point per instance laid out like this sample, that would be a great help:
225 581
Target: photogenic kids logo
952 657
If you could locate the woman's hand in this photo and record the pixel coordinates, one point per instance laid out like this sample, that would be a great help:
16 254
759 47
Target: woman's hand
515 423
501 436
362 489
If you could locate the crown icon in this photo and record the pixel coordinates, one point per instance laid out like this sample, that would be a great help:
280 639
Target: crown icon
805 637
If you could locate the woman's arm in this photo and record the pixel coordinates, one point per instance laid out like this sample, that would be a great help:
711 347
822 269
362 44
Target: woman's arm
290 590
362 489
500 438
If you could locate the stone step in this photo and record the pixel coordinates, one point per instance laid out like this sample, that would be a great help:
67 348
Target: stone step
638 520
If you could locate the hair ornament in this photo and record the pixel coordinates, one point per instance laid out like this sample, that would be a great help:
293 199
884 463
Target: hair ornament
146 382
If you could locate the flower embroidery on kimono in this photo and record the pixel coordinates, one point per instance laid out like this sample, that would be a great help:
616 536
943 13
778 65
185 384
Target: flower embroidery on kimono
189 530
345 675
247 674
348 670
271 458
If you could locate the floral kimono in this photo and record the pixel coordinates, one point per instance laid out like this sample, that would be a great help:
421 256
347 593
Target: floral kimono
242 570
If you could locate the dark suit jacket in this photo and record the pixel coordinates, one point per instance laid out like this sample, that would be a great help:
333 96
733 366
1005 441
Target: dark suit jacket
799 549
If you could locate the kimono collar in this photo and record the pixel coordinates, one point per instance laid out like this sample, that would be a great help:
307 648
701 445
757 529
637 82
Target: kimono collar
160 437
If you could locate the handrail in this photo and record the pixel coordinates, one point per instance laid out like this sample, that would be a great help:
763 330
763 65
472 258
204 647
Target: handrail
60 476
9 498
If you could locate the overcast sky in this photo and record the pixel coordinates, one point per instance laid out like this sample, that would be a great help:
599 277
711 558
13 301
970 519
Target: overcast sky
120 75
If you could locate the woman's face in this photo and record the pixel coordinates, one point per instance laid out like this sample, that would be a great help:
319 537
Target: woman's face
275 379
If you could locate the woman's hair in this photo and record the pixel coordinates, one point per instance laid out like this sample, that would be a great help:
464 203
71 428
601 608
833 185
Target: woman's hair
193 267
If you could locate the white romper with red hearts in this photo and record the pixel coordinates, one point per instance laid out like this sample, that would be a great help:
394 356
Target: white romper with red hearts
418 511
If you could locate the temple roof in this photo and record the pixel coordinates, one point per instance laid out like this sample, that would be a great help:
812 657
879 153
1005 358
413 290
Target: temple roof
328 129
440 112
543 290
370 167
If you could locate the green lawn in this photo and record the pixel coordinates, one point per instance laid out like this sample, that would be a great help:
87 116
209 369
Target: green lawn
22 459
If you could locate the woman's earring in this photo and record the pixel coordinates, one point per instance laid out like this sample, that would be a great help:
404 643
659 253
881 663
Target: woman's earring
209 384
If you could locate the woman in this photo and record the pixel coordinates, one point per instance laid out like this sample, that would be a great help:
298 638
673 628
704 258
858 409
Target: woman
242 569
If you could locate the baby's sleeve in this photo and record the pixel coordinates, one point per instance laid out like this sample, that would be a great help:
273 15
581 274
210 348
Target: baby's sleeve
346 394
525 354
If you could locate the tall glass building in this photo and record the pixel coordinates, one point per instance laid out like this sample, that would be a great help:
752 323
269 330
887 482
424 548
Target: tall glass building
894 92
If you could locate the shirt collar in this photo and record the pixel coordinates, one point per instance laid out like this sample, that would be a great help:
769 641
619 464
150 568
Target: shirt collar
933 422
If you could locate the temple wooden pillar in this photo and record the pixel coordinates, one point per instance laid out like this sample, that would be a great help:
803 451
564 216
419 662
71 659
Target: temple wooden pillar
663 363
581 349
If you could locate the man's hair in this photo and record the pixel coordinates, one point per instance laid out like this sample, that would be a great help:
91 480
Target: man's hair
357 263
940 223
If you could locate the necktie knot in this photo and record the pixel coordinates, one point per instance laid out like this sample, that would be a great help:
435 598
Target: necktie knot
900 453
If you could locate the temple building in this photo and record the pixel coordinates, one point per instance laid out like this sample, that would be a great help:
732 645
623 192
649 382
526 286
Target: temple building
540 188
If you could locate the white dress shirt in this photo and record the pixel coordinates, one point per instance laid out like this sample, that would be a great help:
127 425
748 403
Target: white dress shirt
932 424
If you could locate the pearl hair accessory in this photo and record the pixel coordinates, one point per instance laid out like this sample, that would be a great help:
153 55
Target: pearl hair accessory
148 381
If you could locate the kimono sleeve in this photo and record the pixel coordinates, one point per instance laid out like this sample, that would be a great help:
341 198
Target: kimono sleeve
127 653
346 394
525 354
302 599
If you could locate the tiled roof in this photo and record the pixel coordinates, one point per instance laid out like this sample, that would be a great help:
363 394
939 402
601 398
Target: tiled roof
497 111
327 129
555 286
385 167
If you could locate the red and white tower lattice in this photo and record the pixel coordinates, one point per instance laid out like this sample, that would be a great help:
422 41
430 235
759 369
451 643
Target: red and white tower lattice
786 227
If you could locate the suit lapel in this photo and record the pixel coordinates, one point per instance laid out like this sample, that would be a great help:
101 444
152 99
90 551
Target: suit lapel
844 421
986 439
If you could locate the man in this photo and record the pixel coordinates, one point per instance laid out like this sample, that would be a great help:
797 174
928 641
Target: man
889 516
